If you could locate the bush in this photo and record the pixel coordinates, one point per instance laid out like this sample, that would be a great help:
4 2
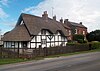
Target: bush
95 45
78 38
85 41
70 43
80 41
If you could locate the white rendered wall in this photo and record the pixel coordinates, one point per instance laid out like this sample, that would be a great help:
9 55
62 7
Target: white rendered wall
37 39
12 44
55 36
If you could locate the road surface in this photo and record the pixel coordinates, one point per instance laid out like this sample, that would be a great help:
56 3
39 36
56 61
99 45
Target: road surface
80 62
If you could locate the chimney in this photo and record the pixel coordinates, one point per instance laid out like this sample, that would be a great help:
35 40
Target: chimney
66 21
45 15
61 20
81 23
54 17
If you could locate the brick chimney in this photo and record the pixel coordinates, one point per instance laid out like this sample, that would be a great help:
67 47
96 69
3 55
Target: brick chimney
66 21
45 15
54 17
61 20
81 23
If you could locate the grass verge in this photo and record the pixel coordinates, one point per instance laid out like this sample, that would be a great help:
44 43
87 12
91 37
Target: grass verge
9 61
74 53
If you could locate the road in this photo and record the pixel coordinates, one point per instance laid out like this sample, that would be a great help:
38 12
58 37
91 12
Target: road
79 62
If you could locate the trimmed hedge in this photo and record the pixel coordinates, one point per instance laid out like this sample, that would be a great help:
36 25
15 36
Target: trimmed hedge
95 45
79 38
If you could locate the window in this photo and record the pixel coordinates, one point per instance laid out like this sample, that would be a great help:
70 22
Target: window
43 32
12 44
43 41
83 32
69 32
75 31
24 44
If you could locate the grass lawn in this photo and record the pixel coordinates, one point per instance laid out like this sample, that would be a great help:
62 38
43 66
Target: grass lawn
9 61
67 54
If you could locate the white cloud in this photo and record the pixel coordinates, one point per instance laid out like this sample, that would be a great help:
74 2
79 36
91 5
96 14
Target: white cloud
4 2
7 25
87 11
10 24
3 14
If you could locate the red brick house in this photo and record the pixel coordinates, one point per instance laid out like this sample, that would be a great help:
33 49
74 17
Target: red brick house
75 28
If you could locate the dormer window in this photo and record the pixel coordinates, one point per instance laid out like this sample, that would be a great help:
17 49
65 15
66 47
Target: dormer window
43 32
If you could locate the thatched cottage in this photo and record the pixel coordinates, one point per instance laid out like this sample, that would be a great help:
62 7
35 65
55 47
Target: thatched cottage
33 32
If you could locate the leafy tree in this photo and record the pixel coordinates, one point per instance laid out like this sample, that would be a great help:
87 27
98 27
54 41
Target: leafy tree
93 36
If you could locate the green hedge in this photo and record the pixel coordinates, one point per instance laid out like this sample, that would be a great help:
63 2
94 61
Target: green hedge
77 37
95 45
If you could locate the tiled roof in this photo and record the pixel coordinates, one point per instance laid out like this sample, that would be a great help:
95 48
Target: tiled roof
77 24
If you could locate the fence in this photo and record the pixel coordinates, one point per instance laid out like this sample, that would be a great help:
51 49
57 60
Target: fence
37 52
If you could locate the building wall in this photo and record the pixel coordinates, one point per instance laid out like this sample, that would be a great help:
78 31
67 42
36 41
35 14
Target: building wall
40 40
76 30
69 37
47 40
82 31
12 44
1 42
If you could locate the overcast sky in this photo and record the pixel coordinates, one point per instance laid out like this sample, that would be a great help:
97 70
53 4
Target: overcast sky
86 11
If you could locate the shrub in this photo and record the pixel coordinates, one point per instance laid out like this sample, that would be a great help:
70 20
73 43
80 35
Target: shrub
95 45
79 38
85 41
71 43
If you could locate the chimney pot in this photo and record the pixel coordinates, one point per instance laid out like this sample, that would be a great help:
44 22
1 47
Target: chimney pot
45 12
45 15
66 20
54 17
81 23
61 20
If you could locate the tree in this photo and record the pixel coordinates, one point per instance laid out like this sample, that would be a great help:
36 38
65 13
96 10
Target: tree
93 36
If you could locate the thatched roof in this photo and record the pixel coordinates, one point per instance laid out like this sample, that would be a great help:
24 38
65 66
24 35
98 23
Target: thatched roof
19 33
67 27
32 26
36 24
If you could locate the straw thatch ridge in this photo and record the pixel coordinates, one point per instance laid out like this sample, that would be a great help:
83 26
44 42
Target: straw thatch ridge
32 26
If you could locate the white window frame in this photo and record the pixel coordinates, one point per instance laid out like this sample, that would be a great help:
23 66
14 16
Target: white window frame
75 31
83 32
